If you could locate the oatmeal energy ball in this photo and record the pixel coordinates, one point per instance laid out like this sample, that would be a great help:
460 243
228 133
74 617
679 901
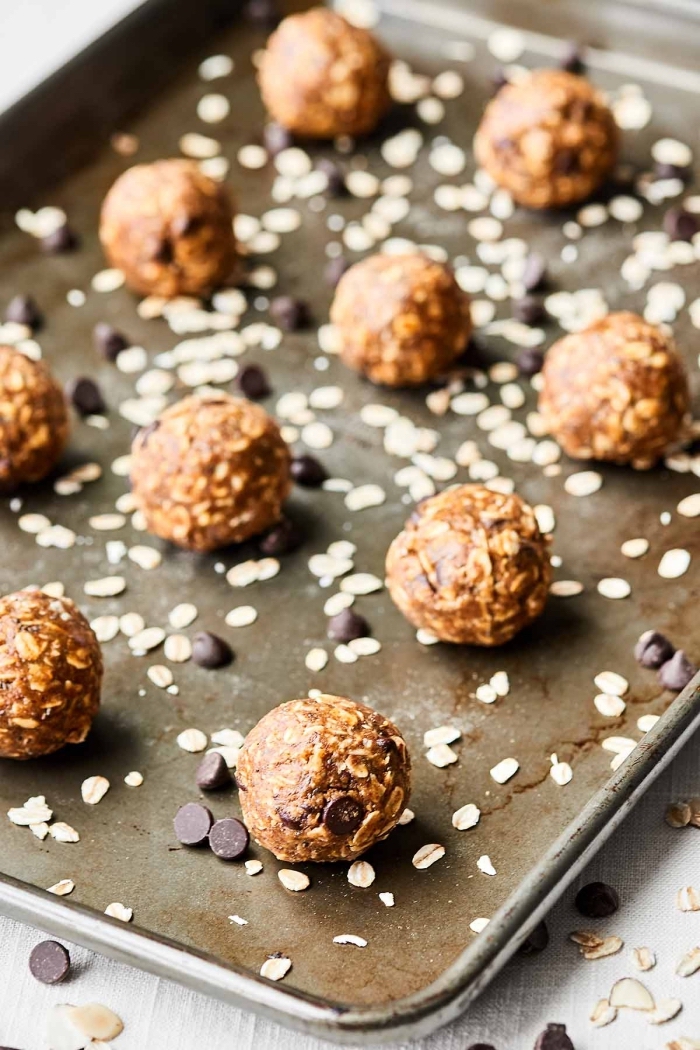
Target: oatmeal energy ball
549 139
210 471
401 320
51 672
321 77
471 566
33 420
322 779
617 391
169 228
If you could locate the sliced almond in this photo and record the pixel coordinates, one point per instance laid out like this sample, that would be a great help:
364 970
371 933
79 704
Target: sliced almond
603 1013
607 946
275 968
629 993
643 958
96 1021
688 899
689 964
665 1011
586 938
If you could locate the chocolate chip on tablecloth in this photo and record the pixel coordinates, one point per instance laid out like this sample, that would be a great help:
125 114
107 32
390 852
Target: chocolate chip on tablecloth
85 396
343 815
213 773
49 962
22 309
529 310
209 650
192 824
664 170
597 900
108 341
335 268
529 361
573 58
554 1037
481 1046
253 382
276 138
229 838
347 625
653 649
680 225
63 239
335 186
308 471
535 272
536 941
290 313
677 672
283 538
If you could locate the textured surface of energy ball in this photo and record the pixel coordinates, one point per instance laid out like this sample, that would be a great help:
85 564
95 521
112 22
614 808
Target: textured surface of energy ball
33 420
549 139
321 77
51 672
322 779
617 391
471 566
210 471
168 227
401 320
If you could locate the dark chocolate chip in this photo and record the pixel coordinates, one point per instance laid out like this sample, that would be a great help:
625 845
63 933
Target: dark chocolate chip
535 272
290 314
680 225
481 1046
49 962
192 824
677 672
573 58
263 13
346 626
23 310
335 186
209 650
296 823
529 361
108 341
212 772
284 538
653 649
536 941
85 396
335 268
499 80
554 1037
229 838
276 138
164 252
343 815
664 170
253 382
529 310
566 162
63 239
308 471
597 900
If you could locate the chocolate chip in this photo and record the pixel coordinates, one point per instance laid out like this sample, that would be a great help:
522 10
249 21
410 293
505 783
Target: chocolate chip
499 80
664 170
554 1037
264 13
535 272
573 58
253 382
529 361
343 815
108 341
653 649
285 537
536 941
677 672
23 310
164 252
63 239
85 396
481 1046
335 186
229 838
680 225
308 472
335 268
208 650
192 824
49 962
290 314
529 310
276 138
212 772
566 162
597 900
347 625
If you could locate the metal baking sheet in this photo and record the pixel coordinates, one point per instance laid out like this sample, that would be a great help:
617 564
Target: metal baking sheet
422 964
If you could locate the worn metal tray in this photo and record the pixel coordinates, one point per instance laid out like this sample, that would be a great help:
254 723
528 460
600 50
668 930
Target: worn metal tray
422 964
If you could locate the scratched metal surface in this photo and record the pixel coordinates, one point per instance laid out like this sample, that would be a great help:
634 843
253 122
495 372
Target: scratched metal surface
127 851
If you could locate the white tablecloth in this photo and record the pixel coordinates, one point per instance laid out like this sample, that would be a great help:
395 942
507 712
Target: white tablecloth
645 860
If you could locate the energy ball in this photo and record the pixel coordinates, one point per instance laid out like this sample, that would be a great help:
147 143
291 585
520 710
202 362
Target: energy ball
471 566
617 391
51 672
321 77
210 471
33 420
322 779
401 320
169 228
549 139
